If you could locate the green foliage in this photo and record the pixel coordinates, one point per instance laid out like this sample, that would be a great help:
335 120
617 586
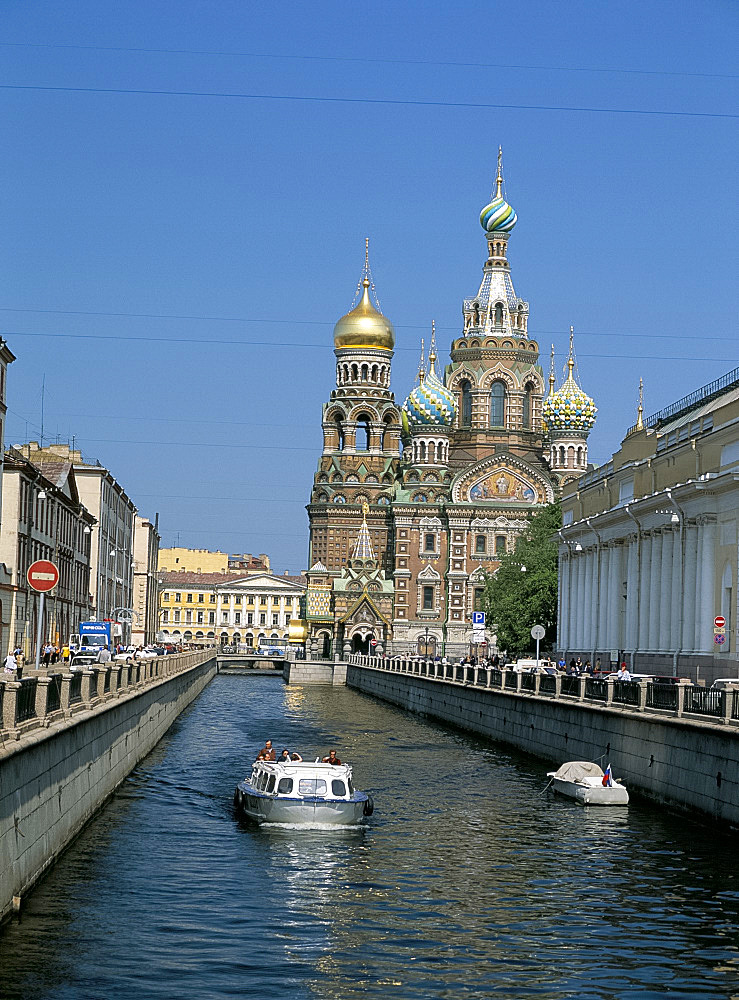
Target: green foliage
515 601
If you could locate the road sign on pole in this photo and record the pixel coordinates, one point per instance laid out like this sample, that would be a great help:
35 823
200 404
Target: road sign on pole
719 638
719 622
538 632
478 618
42 577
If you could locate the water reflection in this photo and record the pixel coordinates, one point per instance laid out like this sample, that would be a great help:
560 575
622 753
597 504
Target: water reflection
468 882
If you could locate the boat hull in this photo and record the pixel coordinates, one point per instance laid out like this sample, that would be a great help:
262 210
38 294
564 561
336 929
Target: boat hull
592 793
268 809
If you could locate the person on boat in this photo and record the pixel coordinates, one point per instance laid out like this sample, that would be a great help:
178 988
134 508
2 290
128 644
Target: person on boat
332 758
285 757
267 753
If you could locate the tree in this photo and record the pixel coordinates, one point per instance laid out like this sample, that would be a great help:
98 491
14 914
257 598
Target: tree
514 600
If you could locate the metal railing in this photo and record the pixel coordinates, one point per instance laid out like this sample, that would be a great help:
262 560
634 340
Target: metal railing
691 401
702 701
570 686
75 687
26 704
547 684
662 696
596 689
626 693
54 696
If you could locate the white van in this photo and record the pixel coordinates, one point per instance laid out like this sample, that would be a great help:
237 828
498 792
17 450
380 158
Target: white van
723 682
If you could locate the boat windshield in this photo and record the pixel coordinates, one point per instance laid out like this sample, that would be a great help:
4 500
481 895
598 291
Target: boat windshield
271 783
285 786
312 786
338 787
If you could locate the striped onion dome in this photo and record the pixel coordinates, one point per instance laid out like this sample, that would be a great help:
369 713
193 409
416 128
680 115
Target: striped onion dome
569 408
498 216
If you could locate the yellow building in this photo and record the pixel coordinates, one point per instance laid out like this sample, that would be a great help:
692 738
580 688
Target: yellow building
206 608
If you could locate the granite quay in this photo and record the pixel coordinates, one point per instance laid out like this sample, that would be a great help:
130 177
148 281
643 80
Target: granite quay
678 743
67 741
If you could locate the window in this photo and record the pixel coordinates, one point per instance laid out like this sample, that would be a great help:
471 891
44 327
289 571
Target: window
479 591
165 597
211 617
262 600
338 787
238 599
363 432
237 618
275 619
497 404
312 786
188 617
480 544
339 431
177 615
429 544
189 598
250 618
224 618
165 616
271 783
201 598
212 598
285 786
262 619
500 545
527 404
428 598
465 407
178 598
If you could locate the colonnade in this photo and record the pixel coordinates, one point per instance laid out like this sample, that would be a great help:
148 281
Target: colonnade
651 591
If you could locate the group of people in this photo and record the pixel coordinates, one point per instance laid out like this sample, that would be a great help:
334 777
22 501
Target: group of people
287 756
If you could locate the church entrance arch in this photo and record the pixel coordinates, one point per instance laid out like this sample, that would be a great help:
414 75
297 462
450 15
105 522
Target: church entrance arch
361 644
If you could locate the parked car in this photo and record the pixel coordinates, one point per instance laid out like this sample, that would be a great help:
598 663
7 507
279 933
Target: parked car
721 683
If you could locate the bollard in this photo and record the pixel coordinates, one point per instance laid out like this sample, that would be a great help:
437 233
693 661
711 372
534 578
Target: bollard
519 675
42 699
583 679
609 691
537 682
642 696
558 686
10 701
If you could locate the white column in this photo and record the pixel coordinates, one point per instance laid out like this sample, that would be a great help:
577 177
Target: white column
577 609
615 599
564 593
665 598
588 609
677 589
632 593
704 632
645 580
654 590
600 640
690 589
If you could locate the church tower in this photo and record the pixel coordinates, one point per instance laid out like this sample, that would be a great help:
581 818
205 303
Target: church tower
569 415
361 438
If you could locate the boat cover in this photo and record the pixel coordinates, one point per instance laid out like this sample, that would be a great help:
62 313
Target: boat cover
575 770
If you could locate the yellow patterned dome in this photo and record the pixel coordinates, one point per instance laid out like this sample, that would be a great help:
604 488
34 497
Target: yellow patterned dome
364 326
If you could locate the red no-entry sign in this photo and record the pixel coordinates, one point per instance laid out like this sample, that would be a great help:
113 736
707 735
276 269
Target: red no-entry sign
719 621
42 575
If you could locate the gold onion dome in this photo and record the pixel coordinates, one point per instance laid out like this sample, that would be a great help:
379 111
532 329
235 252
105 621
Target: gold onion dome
364 326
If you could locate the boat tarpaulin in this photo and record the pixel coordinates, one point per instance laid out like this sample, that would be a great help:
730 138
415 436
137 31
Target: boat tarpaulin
576 770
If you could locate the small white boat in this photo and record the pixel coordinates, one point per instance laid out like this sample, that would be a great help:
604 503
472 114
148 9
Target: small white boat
301 793
584 782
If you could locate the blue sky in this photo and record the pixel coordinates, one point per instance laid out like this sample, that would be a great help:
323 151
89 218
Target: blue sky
174 264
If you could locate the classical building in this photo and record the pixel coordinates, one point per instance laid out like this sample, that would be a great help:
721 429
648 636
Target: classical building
43 518
6 573
145 580
212 607
442 485
205 561
648 552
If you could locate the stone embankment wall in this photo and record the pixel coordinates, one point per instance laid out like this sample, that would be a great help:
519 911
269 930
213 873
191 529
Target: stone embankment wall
690 763
67 741
298 672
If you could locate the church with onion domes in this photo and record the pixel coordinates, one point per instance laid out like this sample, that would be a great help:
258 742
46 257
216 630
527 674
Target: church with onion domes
414 503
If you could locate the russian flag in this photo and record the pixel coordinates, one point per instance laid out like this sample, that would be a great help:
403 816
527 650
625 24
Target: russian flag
607 783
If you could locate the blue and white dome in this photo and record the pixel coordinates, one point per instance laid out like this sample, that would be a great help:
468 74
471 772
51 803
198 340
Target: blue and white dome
430 404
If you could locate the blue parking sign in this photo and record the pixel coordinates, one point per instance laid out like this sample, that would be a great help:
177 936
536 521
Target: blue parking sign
478 617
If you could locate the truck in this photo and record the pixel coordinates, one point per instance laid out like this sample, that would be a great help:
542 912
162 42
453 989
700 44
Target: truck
92 636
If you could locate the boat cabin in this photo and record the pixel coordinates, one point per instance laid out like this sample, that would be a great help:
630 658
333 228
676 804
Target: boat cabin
301 779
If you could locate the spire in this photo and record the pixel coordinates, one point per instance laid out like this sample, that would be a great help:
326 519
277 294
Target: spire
363 544
366 283
640 407
499 178
432 348
552 378
421 364
571 358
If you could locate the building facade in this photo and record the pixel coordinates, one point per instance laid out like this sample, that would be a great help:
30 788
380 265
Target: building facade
648 547
443 485
207 608
145 581
6 573
43 518
205 561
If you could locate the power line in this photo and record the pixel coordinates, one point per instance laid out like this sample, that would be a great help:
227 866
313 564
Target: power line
365 60
294 322
379 101
323 346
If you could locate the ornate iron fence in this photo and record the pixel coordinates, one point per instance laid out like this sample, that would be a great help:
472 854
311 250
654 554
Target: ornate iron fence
597 689
662 696
626 693
702 701
26 704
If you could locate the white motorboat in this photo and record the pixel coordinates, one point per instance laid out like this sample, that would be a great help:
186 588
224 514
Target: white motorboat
302 793
587 784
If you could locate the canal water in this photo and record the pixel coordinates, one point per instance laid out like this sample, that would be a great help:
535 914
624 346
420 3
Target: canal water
470 882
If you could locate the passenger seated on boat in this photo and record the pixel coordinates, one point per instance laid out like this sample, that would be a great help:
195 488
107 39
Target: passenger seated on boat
332 758
286 756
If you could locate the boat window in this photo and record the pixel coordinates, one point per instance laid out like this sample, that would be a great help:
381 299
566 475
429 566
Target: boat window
285 786
351 787
262 781
271 783
312 786
338 787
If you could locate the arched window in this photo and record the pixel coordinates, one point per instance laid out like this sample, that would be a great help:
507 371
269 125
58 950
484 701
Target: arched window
498 313
422 451
339 431
527 405
355 373
363 432
465 407
365 371
385 443
497 404
375 370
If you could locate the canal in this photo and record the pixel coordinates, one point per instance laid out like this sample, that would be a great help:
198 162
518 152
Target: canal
470 882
